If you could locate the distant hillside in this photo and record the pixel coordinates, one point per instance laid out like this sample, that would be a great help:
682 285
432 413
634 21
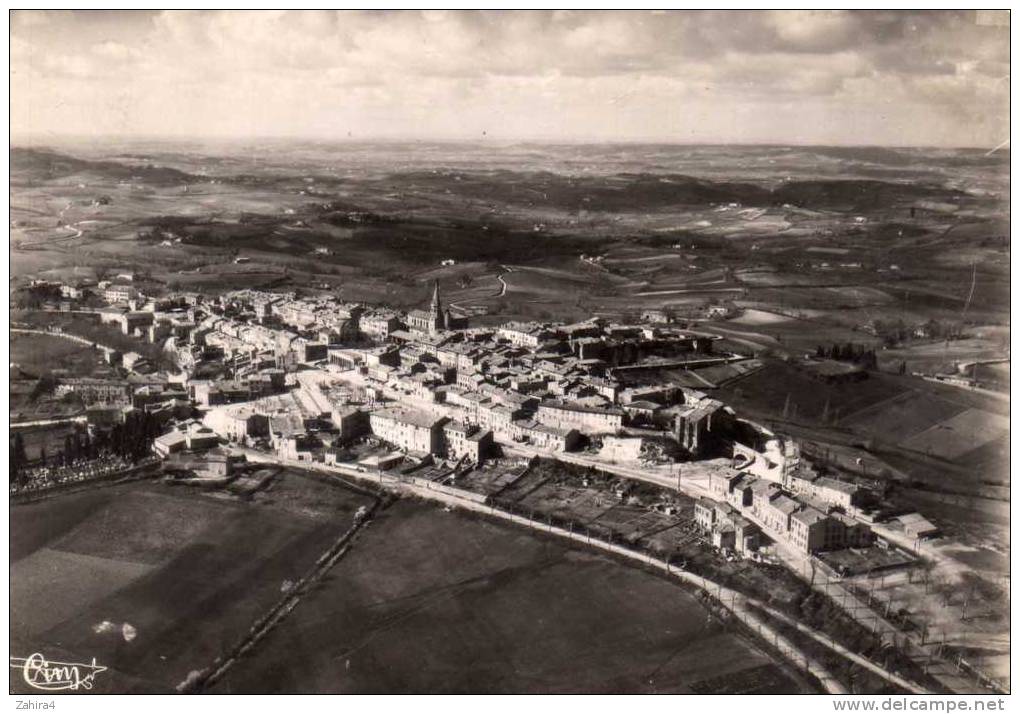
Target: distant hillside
621 192
858 195
43 165
641 191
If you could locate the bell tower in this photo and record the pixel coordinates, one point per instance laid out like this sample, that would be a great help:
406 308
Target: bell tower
437 317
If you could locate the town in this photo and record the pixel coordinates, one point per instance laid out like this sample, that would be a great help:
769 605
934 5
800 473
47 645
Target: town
326 382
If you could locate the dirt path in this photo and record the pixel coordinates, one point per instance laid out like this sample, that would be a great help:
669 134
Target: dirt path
198 681
741 606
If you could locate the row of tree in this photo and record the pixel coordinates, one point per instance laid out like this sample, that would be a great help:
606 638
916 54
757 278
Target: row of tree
130 440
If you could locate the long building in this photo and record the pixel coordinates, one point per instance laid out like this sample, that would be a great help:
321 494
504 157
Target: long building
408 429
587 420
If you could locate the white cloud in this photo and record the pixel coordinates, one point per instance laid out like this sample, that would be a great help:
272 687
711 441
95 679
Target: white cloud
552 75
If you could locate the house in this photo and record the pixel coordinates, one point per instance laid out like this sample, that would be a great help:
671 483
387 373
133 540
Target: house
237 426
117 292
844 494
543 436
527 334
296 447
93 390
169 443
704 513
378 325
135 322
466 441
201 437
727 529
408 429
774 508
812 531
350 421
221 463
585 419
77 289
916 526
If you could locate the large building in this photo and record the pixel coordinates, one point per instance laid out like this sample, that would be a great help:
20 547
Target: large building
350 422
466 441
92 390
409 429
587 420
433 320
378 324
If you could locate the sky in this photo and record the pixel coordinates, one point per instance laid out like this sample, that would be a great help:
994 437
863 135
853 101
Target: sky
784 77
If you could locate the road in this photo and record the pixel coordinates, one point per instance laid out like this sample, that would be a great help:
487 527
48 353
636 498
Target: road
49 422
696 486
692 479
741 606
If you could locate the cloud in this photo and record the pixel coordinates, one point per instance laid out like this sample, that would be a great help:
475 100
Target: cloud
429 72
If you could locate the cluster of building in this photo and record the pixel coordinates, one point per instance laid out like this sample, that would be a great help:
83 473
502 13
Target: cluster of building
809 512
309 377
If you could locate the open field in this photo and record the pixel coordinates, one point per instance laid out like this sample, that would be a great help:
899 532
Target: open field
434 601
944 356
188 572
766 391
960 434
45 354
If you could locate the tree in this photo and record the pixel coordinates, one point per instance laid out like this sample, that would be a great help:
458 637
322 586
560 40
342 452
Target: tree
42 455
18 457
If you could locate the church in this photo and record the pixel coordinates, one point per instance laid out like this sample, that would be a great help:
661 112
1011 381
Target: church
435 319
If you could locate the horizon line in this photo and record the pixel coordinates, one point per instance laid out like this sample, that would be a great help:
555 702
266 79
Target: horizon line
502 141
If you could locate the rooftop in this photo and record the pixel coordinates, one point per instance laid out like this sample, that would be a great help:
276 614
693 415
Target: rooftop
409 416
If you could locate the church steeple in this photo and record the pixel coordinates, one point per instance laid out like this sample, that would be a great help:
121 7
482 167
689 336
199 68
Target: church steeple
437 305
437 316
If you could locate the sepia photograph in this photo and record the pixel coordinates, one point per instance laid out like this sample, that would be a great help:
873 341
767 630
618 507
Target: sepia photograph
495 352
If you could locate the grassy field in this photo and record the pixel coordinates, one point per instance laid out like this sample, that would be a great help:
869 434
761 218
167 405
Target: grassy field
45 354
434 601
34 356
765 393
189 572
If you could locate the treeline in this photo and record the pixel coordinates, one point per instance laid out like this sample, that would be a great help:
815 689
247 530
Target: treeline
850 352
130 440
35 296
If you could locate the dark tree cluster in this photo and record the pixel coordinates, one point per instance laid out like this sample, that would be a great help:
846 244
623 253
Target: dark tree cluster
850 352
19 460
32 298
131 440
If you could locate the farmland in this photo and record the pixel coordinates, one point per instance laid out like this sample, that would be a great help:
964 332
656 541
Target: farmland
833 246
188 572
780 386
434 601
46 354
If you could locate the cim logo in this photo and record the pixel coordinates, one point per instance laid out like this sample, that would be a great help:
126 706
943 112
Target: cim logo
40 673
